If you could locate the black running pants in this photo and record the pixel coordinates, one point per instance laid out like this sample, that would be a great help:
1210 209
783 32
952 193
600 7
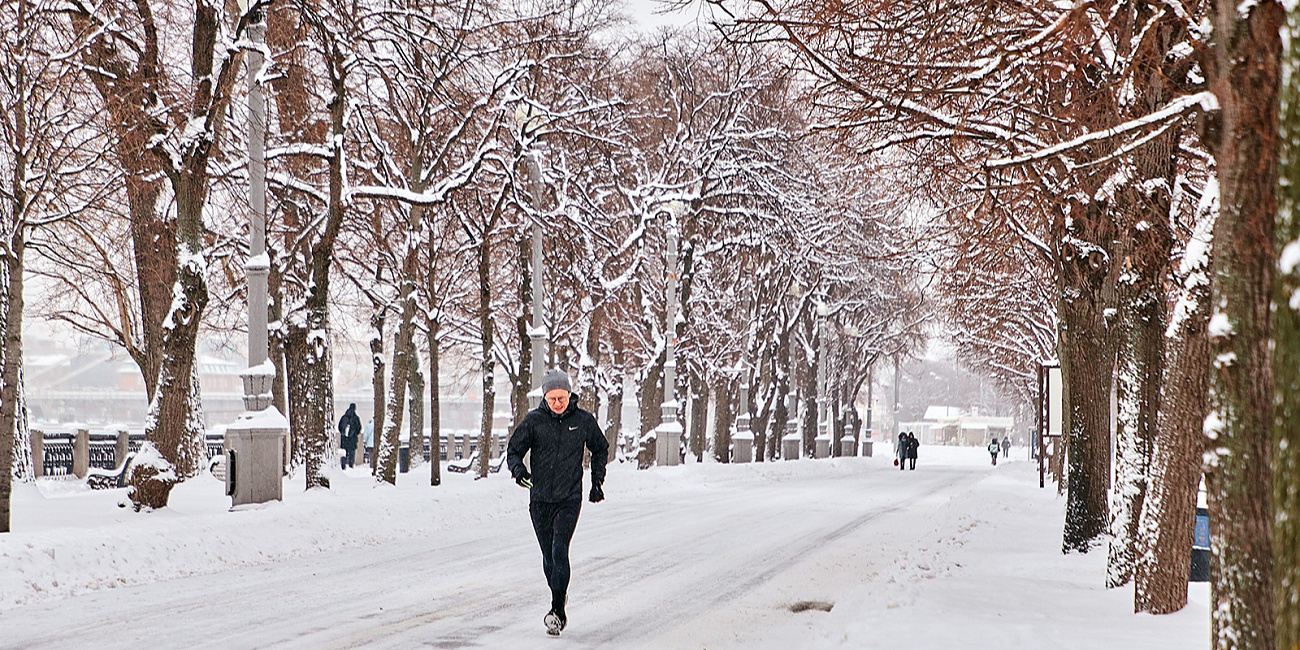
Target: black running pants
554 524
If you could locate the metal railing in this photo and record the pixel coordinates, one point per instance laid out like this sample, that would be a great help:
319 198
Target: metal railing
75 453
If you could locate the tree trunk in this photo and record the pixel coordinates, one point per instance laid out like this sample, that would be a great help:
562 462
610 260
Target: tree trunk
1286 362
1247 44
310 393
614 421
761 418
275 341
1140 355
489 361
315 325
378 367
761 422
722 420
588 384
1160 577
11 254
169 424
699 414
153 239
1087 359
524 382
387 451
781 412
435 407
840 407
415 405
11 352
651 402
812 405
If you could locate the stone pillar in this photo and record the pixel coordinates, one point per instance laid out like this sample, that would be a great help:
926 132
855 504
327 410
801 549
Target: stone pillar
791 441
822 443
848 447
122 448
742 447
81 453
38 453
668 435
255 457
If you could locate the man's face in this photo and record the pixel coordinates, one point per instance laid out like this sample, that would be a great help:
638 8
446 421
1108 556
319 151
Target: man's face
557 400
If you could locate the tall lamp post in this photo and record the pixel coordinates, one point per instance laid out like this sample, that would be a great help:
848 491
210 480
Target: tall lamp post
742 439
668 435
791 441
822 443
255 443
537 333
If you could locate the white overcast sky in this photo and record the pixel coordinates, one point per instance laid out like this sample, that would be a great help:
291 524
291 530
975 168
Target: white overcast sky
648 15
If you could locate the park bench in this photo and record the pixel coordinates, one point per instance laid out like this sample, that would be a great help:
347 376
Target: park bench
466 464
107 479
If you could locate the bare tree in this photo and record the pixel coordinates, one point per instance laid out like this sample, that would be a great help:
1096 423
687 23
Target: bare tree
168 124
48 157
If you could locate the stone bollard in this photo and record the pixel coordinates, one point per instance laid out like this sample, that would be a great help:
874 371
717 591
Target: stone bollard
791 441
866 448
848 447
822 446
254 462
790 446
742 447
464 446
38 453
122 448
81 453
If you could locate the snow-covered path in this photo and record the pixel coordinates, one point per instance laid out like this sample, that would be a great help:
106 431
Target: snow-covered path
696 557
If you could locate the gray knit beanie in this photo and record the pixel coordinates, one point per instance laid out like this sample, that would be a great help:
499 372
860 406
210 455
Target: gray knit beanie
554 379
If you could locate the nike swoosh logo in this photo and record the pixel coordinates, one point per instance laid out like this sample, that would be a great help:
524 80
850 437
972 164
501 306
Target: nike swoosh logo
573 428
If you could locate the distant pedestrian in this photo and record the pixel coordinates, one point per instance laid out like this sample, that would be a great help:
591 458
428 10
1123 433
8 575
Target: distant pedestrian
555 433
1006 447
912 446
369 438
349 431
901 450
994 448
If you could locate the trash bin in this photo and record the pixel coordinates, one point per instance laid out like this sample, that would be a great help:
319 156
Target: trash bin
1201 547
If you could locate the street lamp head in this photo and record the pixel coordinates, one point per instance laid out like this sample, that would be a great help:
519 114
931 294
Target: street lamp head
822 309
677 208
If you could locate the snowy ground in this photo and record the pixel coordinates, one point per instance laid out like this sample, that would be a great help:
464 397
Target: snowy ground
956 554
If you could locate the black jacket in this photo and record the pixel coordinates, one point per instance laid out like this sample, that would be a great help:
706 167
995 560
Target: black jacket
556 442
350 427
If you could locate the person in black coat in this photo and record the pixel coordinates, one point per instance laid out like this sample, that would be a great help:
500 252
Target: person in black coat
912 446
556 433
901 449
349 432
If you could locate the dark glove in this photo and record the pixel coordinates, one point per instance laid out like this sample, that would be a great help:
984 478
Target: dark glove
597 495
522 479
